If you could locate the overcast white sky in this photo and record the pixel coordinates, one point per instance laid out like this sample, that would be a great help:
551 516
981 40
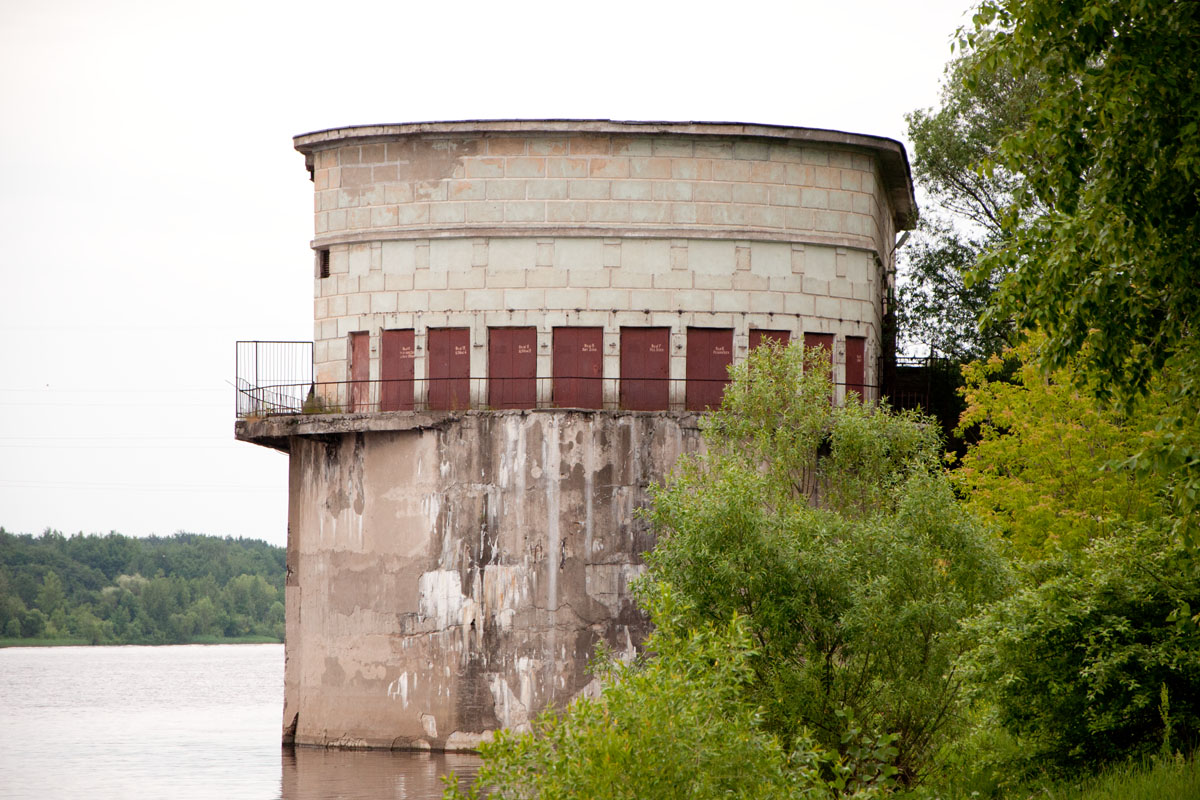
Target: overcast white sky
153 210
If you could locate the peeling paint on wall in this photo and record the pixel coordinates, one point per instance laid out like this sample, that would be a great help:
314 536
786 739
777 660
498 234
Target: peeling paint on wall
469 587
441 597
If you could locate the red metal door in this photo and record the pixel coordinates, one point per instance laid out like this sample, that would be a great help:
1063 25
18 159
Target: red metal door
856 366
360 371
709 354
578 367
758 336
512 367
449 353
645 368
825 342
396 370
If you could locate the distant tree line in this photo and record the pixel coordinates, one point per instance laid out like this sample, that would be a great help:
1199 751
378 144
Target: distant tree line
116 589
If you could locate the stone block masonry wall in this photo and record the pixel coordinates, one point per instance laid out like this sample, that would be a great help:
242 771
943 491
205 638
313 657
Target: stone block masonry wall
547 224
779 189
546 282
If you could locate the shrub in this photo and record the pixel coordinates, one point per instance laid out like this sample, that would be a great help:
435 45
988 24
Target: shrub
1077 663
672 725
835 534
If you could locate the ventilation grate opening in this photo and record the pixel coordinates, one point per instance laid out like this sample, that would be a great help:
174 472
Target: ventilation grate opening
323 263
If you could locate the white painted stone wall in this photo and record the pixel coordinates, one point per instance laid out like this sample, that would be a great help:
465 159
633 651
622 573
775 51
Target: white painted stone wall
536 224
609 283
498 179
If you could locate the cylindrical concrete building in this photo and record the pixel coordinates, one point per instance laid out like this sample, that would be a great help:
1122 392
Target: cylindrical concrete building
515 325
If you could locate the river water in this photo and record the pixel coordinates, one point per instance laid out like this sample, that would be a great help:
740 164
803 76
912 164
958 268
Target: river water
196 721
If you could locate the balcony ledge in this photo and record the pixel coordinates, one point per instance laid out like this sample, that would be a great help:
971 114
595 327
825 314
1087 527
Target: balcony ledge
276 431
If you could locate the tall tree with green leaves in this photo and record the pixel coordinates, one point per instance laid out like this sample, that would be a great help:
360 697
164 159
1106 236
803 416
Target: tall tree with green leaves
1049 464
808 590
835 533
964 207
1099 248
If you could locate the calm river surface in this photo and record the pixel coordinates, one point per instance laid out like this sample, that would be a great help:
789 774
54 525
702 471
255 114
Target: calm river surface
192 721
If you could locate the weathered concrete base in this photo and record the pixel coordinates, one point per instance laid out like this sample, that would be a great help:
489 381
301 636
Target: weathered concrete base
450 577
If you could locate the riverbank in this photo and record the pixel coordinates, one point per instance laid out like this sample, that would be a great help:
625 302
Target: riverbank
79 642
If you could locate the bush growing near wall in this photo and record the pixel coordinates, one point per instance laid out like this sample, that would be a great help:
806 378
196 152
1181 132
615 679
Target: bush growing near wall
807 590
834 532
675 724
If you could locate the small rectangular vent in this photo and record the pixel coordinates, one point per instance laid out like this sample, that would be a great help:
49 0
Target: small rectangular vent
323 263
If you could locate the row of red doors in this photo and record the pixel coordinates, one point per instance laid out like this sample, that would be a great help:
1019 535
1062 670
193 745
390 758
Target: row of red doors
577 367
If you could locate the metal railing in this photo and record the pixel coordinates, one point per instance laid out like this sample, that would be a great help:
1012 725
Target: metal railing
272 377
461 394
277 378
925 383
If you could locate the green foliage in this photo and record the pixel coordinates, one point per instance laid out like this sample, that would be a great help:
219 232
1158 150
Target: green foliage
835 534
672 725
1076 662
1112 154
777 419
1174 778
1049 464
963 216
936 307
51 597
93 588
1100 249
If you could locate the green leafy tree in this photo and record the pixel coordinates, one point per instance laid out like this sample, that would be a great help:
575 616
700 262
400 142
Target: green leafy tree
1099 248
834 532
964 210
937 309
209 619
665 726
1074 664
33 623
1049 463
51 597
275 620
181 627
87 625
159 601
58 624
1077 662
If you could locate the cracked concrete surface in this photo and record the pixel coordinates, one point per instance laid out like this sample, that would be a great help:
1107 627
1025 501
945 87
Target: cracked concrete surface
451 579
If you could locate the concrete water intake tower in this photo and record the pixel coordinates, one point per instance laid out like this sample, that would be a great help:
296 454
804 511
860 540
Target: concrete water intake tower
516 326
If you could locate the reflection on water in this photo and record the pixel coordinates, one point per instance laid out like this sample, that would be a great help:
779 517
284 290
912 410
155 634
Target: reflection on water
310 773
181 722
